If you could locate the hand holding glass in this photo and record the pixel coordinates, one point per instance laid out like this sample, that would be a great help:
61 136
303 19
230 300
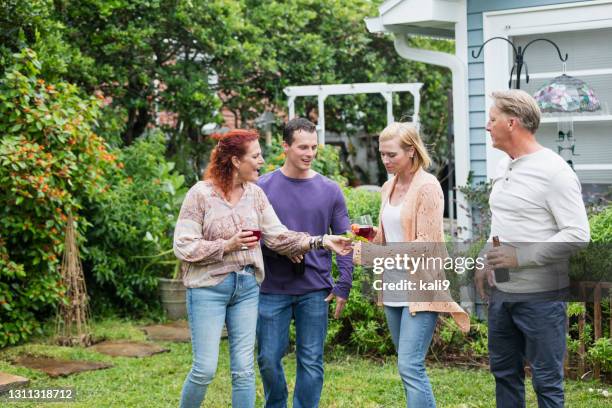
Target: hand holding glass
363 227
250 226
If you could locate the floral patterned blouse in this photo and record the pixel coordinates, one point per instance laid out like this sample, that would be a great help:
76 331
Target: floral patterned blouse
206 220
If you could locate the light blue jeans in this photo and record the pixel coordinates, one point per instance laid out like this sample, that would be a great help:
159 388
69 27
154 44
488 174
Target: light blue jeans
412 336
234 302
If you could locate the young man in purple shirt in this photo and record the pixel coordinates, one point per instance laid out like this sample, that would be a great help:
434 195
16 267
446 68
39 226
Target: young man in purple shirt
300 289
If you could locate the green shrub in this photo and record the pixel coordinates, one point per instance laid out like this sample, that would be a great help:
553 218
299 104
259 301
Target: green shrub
601 226
477 196
594 263
362 202
51 164
131 222
601 352
448 338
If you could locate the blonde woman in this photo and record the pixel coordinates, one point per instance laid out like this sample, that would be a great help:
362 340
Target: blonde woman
411 212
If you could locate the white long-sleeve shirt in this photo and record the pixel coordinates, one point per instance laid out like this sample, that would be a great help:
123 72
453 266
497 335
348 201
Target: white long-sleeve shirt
536 206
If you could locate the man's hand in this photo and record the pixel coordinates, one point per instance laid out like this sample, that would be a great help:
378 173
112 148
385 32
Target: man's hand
296 259
502 257
337 243
340 303
482 275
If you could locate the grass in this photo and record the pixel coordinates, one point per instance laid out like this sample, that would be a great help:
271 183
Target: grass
349 381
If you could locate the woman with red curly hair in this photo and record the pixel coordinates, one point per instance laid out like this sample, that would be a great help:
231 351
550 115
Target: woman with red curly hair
216 237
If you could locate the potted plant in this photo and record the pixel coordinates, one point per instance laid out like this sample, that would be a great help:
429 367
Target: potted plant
171 290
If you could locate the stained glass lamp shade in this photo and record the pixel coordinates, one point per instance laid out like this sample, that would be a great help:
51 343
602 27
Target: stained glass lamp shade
566 94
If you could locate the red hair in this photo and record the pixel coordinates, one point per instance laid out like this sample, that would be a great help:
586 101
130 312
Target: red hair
220 169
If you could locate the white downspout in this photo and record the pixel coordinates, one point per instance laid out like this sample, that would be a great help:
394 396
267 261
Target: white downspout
458 69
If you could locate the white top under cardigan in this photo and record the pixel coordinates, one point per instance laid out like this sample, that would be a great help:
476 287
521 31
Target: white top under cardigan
393 233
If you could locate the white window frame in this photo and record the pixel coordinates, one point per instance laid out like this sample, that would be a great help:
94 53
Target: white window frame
579 16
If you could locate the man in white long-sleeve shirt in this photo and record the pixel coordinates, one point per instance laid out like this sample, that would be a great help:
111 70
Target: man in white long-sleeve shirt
539 216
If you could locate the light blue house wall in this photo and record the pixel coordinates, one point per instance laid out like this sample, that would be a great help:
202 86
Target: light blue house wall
475 8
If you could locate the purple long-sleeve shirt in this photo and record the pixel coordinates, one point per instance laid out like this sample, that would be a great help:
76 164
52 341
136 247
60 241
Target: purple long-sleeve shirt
314 206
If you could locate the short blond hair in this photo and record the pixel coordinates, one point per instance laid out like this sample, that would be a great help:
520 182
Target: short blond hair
518 103
408 136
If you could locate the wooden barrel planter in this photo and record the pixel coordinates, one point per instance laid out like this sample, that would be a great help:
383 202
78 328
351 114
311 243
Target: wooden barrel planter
172 293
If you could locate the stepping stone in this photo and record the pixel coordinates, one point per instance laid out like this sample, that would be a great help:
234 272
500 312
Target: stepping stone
177 331
8 381
128 349
58 368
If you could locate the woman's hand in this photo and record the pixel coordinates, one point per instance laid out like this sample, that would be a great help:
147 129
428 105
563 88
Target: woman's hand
357 253
339 244
242 241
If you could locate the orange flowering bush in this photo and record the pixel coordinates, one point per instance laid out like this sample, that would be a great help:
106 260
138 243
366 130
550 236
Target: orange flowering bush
51 162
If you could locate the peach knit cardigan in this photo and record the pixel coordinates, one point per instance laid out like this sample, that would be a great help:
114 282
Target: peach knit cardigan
421 215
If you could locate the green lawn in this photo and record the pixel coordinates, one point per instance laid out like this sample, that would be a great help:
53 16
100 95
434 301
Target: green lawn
349 382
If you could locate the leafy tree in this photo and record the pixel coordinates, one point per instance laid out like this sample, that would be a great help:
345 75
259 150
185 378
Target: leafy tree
305 42
31 24
192 58
154 55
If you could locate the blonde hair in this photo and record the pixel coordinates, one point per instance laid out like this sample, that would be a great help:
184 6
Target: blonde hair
408 136
518 103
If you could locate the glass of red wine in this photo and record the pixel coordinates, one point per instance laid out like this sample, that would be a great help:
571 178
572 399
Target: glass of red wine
363 227
252 228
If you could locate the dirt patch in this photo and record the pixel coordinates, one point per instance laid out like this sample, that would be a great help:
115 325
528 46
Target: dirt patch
8 381
177 331
128 349
58 368
459 360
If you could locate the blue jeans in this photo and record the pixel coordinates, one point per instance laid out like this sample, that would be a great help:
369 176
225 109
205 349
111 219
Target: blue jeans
233 302
412 336
275 314
534 331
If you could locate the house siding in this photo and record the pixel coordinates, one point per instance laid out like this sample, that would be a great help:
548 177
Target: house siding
475 8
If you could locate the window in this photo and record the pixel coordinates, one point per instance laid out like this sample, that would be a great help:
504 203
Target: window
590 59
581 29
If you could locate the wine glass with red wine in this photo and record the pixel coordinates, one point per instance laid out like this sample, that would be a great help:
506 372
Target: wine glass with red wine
254 228
363 227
